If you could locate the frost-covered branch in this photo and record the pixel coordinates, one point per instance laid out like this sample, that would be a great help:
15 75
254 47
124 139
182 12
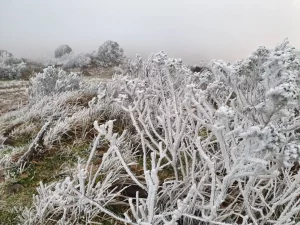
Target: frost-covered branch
217 147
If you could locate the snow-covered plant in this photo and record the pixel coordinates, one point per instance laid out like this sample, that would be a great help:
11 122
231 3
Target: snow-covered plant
8 157
217 147
11 61
10 67
75 60
266 86
53 80
69 60
84 195
13 71
62 50
110 54
5 54
67 108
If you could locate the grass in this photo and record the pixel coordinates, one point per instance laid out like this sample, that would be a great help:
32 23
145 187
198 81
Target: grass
8 217
39 170
46 168
49 166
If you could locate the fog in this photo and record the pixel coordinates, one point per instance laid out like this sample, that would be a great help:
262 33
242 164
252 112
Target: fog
192 29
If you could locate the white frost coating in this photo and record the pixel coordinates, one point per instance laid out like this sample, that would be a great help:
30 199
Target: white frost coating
219 147
62 50
11 67
53 81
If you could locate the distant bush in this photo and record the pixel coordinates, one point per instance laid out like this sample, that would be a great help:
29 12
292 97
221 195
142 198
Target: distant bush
35 65
74 60
11 67
11 61
53 80
13 72
5 54
62 50
110 54
69 61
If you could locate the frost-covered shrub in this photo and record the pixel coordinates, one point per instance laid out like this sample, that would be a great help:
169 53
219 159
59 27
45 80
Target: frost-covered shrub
5 54
217 147
12 61
13 72
75 60
99 191
138 68
110 54
69 61
267 87
12 68
62 50
52 81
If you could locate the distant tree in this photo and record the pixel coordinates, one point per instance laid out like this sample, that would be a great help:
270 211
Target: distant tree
12 61
62 50
75 60
68 61
5 54
110 54
11 67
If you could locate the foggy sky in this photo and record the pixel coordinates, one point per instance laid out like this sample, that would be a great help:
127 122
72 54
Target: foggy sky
189 29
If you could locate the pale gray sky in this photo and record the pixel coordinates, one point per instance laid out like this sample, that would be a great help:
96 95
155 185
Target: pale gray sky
189 29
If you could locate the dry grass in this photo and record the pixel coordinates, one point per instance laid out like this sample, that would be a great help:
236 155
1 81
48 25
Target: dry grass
55 160
12 95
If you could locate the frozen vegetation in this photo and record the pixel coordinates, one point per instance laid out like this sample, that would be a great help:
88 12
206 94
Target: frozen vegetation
11 67
62 50
158 144
109 54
